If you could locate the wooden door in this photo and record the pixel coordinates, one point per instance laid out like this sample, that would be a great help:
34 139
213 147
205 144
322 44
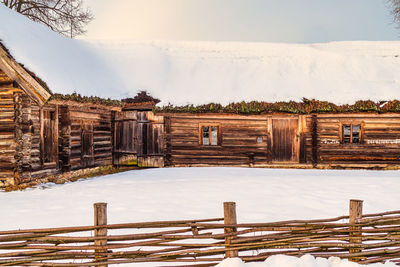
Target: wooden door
158 143
284 140
126 137
87 156
150 136
49 136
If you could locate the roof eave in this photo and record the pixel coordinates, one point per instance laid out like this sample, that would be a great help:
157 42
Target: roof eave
17 73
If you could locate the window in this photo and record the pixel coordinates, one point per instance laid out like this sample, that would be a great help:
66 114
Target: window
209 135
351 133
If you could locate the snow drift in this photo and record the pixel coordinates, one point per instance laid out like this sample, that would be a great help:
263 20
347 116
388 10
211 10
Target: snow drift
305 261
204 72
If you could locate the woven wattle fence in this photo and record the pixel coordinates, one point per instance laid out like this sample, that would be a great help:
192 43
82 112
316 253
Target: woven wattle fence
362 238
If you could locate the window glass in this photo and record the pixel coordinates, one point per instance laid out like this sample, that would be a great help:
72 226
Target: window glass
214 135
356 134
206 135
346 134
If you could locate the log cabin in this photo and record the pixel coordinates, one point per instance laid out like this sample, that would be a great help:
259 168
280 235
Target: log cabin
40 138
22 99
348 140
364 135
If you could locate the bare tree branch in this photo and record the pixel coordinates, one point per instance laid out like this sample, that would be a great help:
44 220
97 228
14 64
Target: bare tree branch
67 17
395 9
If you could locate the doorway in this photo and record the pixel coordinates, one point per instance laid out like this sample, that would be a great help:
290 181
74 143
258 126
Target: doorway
87 156
285 140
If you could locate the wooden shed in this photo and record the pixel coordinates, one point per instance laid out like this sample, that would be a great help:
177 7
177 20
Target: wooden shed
85 134
238 140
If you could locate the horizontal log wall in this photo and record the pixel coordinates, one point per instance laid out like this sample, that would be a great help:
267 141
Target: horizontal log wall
90 119
33 166
28 128
238 141
7 127
306 139
20 136
320 139
380 139
64 138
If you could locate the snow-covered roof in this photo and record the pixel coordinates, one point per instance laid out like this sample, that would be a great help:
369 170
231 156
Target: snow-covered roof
27 82
203 72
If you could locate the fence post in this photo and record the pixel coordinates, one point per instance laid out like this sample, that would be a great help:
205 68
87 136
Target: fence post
100 218
355 211
230 218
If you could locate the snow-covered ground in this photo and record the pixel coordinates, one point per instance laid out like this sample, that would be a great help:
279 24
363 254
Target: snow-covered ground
204 72
262 195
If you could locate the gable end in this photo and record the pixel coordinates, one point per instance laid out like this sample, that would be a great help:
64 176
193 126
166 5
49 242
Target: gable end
23 78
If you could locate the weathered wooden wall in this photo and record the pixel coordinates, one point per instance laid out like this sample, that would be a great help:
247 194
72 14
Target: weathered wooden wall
48 134
243 140
306 139
317 140
27 133
64 139
125 138
139 138
379 144
21 127
90 131
7 137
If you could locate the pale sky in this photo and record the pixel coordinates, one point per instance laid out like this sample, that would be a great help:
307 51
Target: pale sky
293 21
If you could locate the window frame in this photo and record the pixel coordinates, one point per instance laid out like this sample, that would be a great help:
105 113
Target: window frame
210 125
351 124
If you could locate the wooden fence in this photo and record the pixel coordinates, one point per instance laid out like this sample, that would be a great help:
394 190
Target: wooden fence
365 238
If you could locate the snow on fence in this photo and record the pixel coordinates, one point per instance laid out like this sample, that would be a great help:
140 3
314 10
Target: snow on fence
362 238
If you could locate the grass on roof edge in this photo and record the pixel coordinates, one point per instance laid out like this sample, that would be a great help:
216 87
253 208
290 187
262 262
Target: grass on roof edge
306 106
87 99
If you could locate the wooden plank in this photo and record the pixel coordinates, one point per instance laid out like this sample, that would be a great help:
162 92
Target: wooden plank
87 157
284 145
